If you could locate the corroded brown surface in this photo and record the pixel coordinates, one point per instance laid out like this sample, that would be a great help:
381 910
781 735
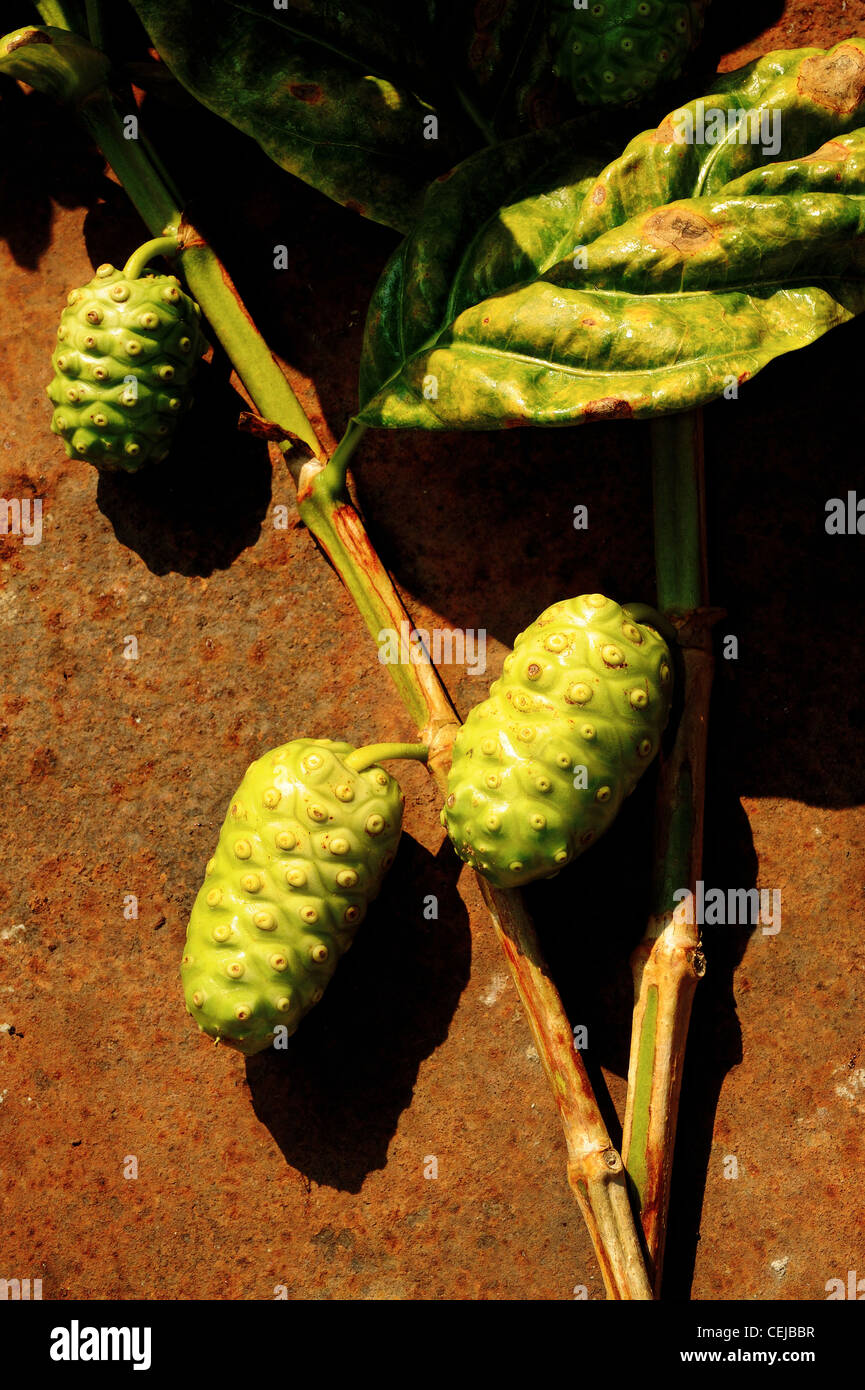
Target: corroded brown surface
311 1168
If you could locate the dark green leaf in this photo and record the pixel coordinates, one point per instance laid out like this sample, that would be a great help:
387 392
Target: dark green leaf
312 85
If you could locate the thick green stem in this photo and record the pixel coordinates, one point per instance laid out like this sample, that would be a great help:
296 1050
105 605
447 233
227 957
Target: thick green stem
250 356
668 962
55 13
130 162
326 509
680 513
95 26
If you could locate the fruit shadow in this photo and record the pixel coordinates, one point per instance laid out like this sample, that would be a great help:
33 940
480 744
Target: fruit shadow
333 1097
204 504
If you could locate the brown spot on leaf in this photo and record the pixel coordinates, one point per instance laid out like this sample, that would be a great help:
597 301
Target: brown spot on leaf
599 194
687 232
28 38
608 408
833 150
353 206
743 377
835 79
665 133
588 323
310 92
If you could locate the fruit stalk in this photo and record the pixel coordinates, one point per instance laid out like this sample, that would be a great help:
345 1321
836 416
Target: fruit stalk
668 961
594 1168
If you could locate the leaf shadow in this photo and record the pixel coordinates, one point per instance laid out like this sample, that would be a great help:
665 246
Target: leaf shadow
47 159
333 1097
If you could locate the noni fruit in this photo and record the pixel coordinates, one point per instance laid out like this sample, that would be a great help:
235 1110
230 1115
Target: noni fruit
541 767
127 348
616 51
308 838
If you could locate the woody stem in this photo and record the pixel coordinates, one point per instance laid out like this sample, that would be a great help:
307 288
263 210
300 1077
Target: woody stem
668 961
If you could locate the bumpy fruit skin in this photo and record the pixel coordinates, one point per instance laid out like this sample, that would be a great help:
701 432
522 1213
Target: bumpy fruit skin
585 687
125 356
618 51
302 852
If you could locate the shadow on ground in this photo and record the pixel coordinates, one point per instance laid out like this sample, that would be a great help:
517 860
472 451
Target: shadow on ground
47 159
205 503
333 1098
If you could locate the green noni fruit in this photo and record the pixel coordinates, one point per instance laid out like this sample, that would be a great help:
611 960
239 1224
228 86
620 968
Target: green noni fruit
309 836
541 767
127 348
616 51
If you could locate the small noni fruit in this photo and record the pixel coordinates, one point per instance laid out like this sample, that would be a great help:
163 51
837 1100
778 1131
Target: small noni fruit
616 51
541 767
126 352
309 836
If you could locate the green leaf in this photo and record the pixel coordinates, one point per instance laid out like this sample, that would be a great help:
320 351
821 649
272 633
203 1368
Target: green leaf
54 61
644 287
327 91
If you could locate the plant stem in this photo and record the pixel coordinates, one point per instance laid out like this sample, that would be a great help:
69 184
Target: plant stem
596 1173
326 509
595 1170
250 356
668 961
53 13
95 27
680 511
144 186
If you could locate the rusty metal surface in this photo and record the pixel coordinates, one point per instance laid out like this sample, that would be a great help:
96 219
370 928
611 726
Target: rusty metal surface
310 1169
